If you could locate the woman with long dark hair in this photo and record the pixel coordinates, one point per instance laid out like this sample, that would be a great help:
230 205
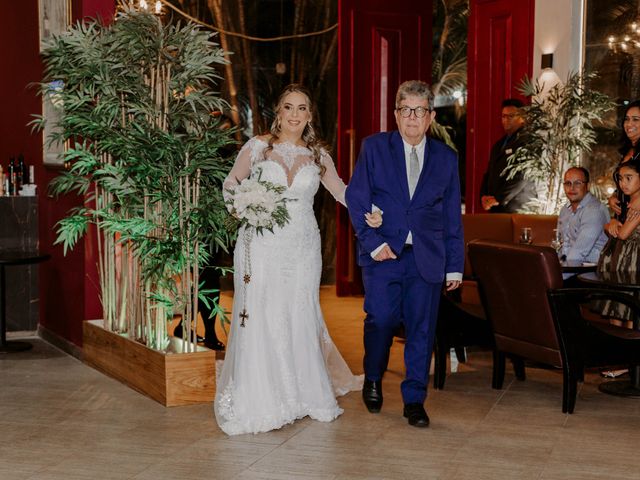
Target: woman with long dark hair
629 149
624 256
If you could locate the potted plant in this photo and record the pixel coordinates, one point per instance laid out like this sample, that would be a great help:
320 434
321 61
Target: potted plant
138 116
558 130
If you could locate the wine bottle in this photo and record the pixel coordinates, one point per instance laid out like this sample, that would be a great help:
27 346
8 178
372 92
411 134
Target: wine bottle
10 175
21 178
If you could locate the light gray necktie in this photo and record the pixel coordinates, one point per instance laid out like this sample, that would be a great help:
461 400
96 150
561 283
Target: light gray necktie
414 171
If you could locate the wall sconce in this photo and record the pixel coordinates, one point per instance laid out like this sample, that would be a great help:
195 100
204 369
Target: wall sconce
547 61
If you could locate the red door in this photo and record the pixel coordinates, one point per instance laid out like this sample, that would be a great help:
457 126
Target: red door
500 55
382 43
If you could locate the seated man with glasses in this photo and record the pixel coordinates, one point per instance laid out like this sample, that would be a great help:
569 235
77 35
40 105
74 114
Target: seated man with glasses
581 221
497 193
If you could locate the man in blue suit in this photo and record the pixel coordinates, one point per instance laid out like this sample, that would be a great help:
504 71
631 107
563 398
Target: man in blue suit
414 181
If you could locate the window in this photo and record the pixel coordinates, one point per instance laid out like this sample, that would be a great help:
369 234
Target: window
612 48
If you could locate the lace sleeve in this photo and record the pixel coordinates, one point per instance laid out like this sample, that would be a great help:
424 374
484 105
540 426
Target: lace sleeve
331 180
241 168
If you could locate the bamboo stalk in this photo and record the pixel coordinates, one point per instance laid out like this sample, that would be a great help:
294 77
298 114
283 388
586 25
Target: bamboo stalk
150 312
111 281
101 263
157 92
215 7
165 113
248 71
196 251
298 18
328 57
186 281
124 285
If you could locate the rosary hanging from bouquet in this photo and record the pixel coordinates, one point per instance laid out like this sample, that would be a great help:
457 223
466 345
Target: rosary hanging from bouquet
256 205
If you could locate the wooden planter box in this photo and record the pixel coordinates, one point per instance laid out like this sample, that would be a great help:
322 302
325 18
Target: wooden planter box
170 378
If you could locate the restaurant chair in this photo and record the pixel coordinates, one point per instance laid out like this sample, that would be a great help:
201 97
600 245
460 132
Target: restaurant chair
534 317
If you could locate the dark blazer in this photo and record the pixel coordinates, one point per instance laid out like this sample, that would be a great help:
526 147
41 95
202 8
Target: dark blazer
433 213
512 194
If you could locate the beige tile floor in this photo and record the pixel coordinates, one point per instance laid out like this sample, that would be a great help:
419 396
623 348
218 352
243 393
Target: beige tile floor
61 420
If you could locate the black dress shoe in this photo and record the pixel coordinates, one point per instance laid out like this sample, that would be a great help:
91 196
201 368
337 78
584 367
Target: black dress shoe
416 415
372 395
213 344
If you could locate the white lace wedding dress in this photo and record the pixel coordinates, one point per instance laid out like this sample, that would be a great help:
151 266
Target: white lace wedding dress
282 365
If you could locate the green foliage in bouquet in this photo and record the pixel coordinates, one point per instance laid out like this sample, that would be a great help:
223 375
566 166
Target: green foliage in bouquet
144 149
258 204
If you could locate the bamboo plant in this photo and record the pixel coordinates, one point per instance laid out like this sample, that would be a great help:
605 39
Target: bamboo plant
559 129
138 114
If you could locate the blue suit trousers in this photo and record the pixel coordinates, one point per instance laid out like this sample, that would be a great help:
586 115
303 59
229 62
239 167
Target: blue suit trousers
396 294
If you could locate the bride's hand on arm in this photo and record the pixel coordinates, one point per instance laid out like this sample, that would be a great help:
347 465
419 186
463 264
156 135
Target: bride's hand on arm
374 220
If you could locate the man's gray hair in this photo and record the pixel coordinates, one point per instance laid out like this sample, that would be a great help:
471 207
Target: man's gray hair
415 88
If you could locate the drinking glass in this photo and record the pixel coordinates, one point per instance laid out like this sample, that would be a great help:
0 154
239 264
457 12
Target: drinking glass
556 243
525 235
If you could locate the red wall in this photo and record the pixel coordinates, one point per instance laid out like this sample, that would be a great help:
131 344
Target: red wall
499 55
381 44
68 285
19 40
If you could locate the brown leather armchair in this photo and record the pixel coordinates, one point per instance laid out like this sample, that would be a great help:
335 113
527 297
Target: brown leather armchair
461 319
534 318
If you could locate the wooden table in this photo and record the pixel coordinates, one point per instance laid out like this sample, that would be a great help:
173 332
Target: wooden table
628 282
10 258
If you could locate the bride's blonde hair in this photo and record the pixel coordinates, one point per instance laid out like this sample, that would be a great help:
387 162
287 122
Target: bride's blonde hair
308 134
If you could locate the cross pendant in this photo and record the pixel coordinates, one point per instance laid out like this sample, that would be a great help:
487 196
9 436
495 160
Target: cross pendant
244 316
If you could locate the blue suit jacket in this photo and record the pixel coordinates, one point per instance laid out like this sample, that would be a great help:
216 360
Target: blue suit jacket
433 213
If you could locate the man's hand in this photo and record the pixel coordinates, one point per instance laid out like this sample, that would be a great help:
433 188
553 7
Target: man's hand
374 220
614 204
385 254
613 228
452 284
488 201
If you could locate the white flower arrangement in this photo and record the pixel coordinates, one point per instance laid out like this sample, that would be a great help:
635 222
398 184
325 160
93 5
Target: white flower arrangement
258 204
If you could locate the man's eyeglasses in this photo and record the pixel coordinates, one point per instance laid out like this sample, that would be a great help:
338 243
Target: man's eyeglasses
405 112
575 183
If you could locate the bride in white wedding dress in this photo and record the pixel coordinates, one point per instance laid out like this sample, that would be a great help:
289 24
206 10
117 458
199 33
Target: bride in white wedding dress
280 363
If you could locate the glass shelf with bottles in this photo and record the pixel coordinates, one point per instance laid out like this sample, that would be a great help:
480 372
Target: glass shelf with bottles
18 179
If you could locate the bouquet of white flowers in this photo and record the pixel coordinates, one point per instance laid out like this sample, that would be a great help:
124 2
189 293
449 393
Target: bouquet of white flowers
258 203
